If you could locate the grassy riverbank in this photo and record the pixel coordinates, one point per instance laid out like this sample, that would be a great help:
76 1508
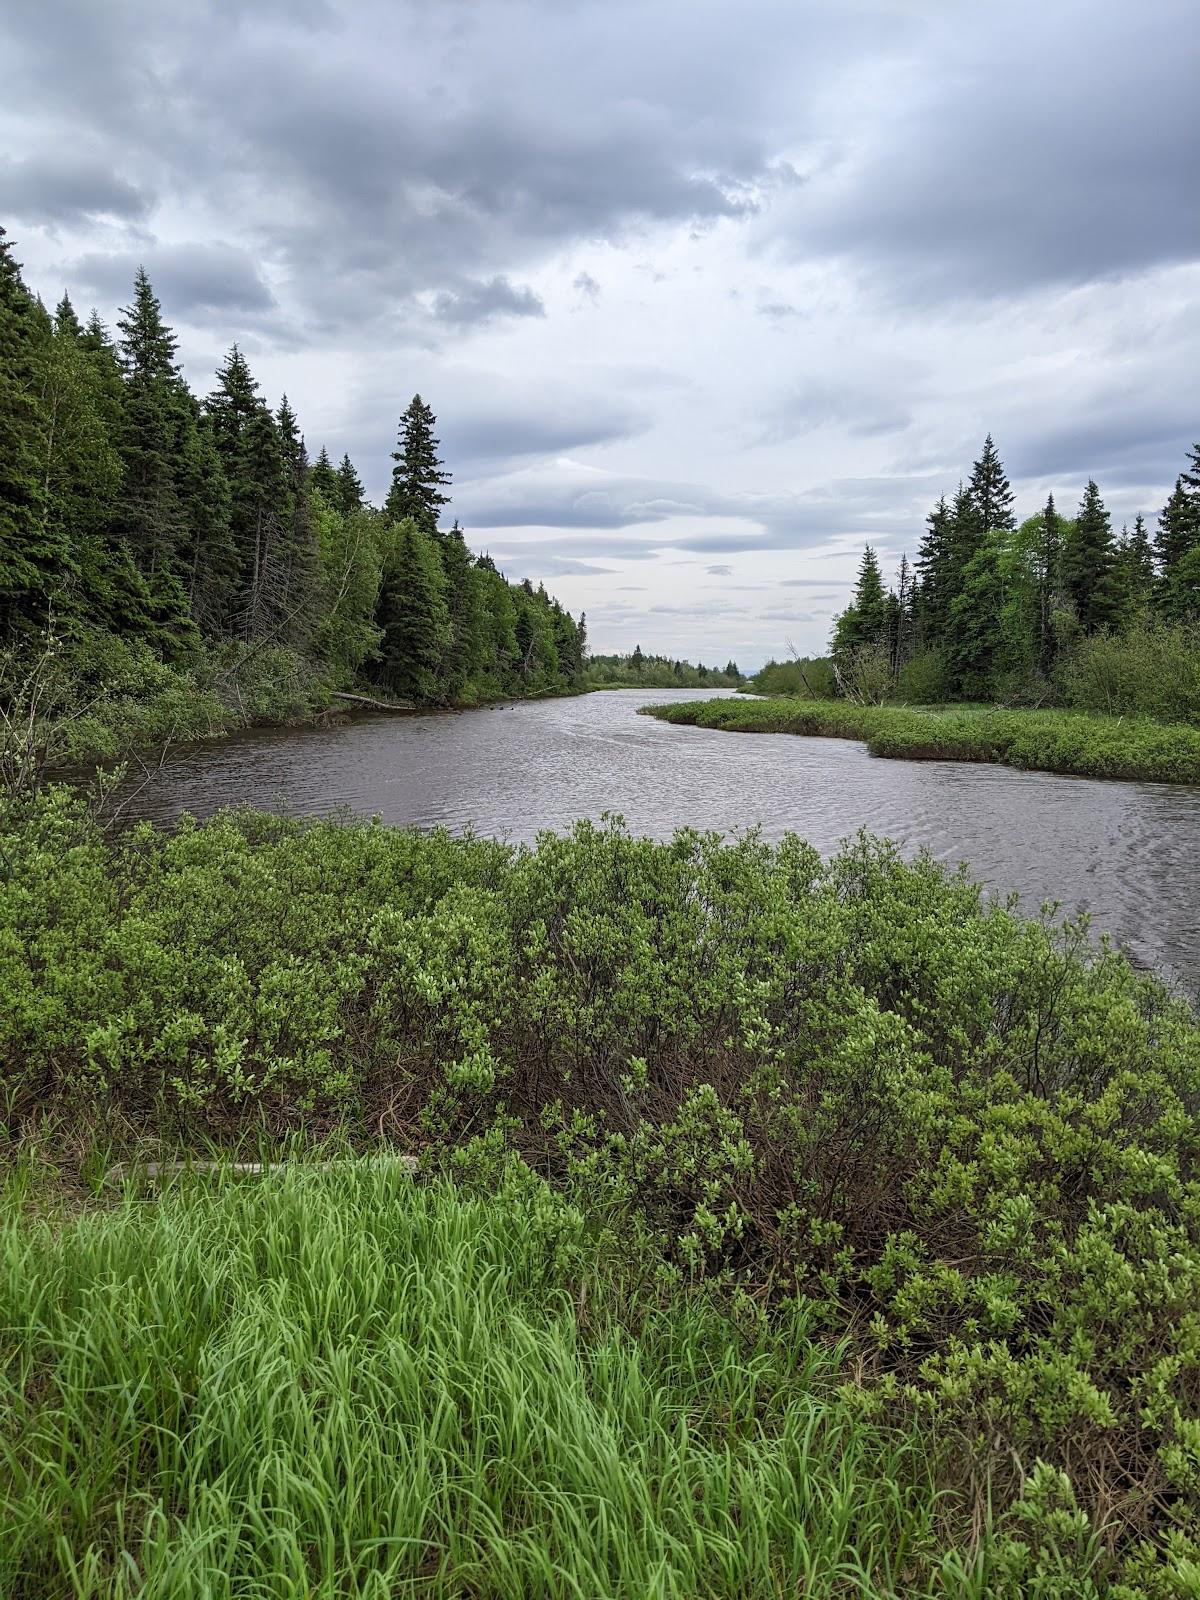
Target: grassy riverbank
846 1109
1079 743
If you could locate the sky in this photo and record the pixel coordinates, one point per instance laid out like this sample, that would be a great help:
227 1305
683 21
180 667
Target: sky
705 295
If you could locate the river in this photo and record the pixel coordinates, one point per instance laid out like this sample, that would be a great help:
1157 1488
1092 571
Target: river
1128 853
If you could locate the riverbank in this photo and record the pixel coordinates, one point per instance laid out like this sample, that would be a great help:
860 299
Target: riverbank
764 1087
1077 743
113 701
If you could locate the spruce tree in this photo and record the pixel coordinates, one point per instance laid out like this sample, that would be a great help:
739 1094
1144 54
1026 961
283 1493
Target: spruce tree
463 592
1089 565
990 492
419 475
350 489
870 600
324 479
34 558
412 616
1048 556
211 566
933 572
1135 567
1176 541
149 517
65 320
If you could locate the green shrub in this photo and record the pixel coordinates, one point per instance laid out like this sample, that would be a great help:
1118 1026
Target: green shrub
1147 672
922 681
966 1140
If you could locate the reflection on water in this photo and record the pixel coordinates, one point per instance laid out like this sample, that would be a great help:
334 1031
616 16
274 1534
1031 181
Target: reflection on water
1126 852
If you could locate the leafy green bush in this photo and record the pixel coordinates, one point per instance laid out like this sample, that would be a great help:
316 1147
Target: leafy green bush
1147 672
813 679
1042 741
965 1140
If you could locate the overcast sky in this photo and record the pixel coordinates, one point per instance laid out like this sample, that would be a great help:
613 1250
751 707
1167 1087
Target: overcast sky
704 295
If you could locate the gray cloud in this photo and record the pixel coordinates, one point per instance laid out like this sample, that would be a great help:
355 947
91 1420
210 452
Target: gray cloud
191 279
1006 159
719 572
476 301
57 187
587 286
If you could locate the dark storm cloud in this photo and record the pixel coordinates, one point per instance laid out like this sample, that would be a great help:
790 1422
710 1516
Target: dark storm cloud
56 187
476 301
190 279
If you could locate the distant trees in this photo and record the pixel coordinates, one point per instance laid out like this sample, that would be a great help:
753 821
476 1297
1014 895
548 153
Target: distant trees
642 670
131 510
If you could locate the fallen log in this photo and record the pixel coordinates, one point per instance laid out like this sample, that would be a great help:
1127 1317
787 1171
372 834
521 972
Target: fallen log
376 705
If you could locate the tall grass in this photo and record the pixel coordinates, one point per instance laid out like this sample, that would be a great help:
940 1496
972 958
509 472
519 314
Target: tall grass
338 1383
1080 743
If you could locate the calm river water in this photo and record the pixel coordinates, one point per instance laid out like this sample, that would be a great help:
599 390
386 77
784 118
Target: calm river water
1127 852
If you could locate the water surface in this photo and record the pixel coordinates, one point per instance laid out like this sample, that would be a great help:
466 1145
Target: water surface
1126 852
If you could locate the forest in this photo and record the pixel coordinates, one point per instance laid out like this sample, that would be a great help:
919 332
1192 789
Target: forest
642 670
1051 610
183 560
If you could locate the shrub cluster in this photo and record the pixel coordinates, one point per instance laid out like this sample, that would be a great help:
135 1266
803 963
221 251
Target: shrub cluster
1089 746
964 1139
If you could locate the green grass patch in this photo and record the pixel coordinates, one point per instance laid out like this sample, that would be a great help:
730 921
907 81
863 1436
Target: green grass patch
1084 744
337 1383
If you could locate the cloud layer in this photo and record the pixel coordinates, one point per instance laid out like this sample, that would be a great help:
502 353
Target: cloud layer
703 300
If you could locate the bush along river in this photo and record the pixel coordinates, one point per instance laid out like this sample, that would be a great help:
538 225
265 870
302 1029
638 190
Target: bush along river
1124 852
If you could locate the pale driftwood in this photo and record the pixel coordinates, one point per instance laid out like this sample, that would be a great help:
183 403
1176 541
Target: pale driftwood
376 705
171 1169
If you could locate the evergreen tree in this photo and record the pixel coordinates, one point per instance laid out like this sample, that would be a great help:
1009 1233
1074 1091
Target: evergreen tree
974 635
1176 541
990 492
419 475
65 320
324 479
149 517
412 616
298 554
33 555
1048 560
1089 565
1135 567
933 575
350 489
465 652
211 566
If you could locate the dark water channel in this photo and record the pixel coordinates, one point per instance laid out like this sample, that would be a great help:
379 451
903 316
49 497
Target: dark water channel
1129 853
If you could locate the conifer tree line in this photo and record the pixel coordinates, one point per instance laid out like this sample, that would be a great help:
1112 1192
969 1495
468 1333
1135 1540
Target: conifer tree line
132 509
993 608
